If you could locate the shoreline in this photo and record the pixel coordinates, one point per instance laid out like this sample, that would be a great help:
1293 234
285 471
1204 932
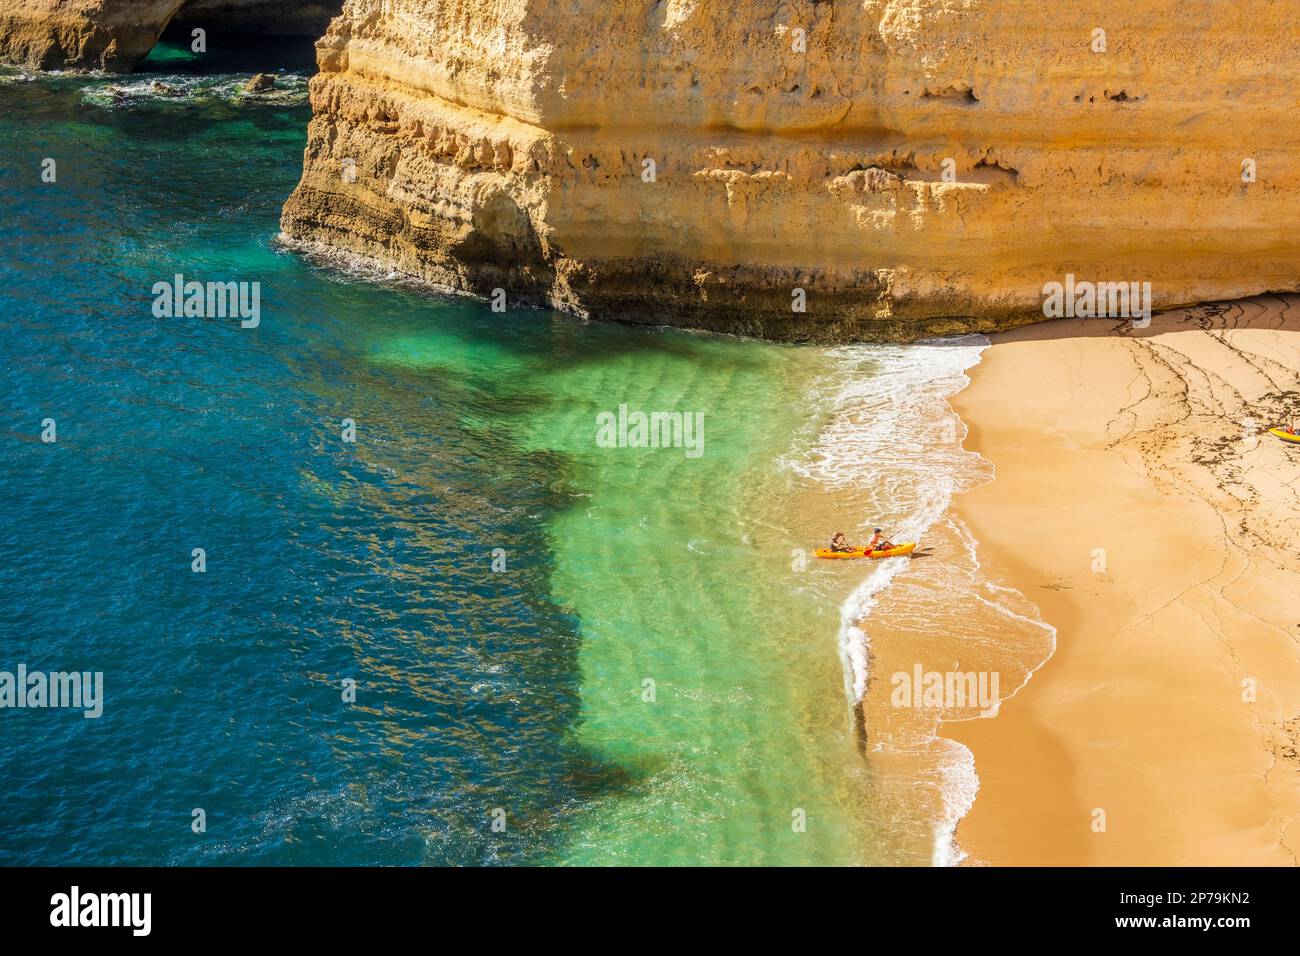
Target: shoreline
932 614
1140 503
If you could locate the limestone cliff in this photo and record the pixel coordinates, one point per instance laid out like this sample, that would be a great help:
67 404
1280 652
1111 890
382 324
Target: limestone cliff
802 145
913 166
115 35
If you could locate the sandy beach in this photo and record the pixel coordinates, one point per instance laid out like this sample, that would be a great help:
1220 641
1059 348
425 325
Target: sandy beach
1141 504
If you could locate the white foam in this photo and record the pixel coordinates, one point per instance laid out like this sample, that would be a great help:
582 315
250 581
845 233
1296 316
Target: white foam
228 87
959 786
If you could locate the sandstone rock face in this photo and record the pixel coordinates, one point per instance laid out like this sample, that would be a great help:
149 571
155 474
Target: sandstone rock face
81 34
115 35
803 145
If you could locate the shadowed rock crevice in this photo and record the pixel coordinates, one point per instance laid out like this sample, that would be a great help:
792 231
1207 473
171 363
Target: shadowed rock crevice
958 92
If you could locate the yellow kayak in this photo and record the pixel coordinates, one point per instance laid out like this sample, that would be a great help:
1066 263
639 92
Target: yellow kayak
1283 434
894 552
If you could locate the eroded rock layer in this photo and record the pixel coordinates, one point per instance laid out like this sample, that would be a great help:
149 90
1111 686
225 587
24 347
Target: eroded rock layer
803 145
115 35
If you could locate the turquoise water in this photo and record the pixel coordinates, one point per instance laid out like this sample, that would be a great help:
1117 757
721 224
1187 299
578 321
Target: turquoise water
646 680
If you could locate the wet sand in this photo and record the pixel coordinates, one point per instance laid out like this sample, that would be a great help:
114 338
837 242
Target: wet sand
1141 504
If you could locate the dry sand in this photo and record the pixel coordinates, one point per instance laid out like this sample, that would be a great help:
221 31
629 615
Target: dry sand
1140 502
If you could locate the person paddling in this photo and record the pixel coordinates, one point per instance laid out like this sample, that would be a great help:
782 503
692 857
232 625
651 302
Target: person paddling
839 543
879 542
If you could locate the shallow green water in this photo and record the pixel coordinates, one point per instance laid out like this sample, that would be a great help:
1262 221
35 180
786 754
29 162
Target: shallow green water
680 571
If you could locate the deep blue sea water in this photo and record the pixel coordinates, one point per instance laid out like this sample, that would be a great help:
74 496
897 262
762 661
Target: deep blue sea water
325 560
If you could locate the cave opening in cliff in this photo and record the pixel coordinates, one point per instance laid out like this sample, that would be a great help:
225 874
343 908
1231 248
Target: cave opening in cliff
241 36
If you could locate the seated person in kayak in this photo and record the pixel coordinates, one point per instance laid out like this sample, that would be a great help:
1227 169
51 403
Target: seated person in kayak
840 544
879 542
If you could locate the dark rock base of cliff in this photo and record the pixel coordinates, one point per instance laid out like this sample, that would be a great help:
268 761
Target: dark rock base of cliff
732 299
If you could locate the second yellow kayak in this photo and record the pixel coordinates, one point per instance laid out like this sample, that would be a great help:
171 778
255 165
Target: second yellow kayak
1285 435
